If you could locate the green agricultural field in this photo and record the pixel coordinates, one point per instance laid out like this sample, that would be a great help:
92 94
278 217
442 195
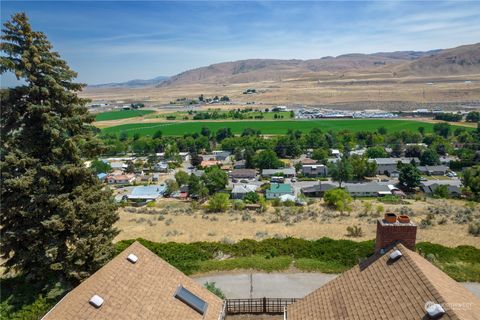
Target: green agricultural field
183 115
122 114
269 127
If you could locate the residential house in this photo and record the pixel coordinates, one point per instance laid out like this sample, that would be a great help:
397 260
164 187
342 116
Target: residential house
102 176
240 190
161 166
389 165
454 186
198 173
221 155
445 160
147 193
358 152
307 161
243 174
183 191
138 284
333 160
118 165
314 170
369 189
210 163
317 190
226 167
121 179
240 164
440 170
335 153
289 197
145 178
278 189
208 157
184 155
286 172
394 283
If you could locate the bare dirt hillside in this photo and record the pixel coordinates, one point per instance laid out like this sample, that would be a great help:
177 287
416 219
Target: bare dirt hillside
403 80
255 70
460 60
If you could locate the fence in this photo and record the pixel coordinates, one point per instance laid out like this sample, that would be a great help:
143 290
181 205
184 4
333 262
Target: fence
258 305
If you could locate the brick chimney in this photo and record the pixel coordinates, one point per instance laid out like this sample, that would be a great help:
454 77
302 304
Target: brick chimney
392 229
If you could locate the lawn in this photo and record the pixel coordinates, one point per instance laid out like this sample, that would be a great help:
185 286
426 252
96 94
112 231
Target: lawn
122 114
269 127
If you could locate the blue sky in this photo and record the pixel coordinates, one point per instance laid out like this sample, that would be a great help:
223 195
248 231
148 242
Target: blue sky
113 41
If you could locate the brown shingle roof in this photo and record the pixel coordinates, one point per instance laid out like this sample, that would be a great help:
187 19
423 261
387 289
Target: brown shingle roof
243 173
144 290
382 289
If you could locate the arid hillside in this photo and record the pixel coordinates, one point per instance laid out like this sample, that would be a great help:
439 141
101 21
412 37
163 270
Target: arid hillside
390 80
460 60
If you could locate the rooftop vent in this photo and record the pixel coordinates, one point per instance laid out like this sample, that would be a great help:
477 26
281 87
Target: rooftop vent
435 310
191 300
395 255
96 301
132 258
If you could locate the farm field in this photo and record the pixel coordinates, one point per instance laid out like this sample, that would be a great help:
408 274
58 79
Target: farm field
223 115
122 114
268 127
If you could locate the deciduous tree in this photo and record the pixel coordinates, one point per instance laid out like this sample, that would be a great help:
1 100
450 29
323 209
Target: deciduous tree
409 177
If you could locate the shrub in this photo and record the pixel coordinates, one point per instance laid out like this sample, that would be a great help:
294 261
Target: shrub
218 202
238 205
391 199
252 262
151 204
338 199
474 228
354 231
213 289
379 210
441 192
252 197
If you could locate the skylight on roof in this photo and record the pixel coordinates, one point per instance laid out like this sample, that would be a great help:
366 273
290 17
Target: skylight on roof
191 300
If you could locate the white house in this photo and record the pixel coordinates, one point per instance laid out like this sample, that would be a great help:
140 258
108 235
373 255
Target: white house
121 179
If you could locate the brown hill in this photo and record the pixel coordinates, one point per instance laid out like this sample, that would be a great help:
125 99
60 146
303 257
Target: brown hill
456 61
254 70
460 60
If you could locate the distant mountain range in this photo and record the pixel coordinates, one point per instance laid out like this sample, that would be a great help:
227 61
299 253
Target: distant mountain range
440 62
132 83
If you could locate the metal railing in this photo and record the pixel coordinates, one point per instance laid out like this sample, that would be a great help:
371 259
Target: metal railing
258 305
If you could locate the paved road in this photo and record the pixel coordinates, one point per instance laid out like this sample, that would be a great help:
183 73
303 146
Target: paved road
279 285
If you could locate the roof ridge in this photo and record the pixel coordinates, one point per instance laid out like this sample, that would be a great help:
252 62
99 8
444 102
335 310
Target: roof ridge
426 279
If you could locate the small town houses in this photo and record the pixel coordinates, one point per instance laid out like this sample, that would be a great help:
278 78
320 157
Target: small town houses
286 182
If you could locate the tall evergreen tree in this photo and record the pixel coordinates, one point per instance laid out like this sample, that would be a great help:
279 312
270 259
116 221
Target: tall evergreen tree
56 216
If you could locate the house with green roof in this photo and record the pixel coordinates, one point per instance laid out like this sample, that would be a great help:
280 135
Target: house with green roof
278 189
